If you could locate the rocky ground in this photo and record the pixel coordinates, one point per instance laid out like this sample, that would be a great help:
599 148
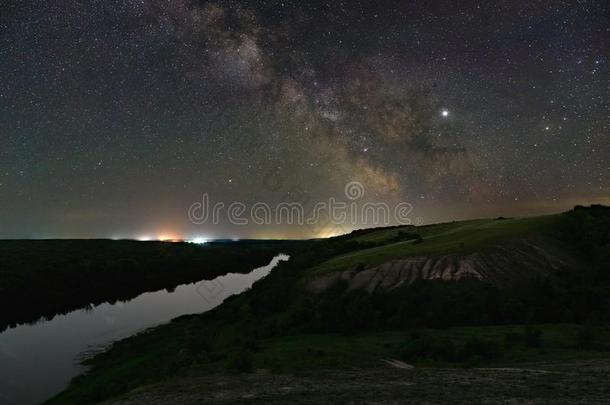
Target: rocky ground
586 382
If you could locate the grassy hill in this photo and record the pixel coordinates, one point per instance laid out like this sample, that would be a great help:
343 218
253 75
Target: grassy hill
282 326
446 238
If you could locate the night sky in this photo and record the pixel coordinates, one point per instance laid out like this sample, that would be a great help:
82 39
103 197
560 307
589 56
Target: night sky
117 115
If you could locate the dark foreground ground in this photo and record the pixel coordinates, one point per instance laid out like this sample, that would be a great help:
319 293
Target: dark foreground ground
583 382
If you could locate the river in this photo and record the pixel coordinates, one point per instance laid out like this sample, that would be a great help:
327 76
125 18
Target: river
38 361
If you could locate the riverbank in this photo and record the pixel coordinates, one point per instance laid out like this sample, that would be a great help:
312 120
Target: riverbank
43 278
38 361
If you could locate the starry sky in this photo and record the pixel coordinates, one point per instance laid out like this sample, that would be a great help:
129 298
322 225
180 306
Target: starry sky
117 115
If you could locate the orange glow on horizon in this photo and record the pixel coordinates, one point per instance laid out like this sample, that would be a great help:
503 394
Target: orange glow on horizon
169 237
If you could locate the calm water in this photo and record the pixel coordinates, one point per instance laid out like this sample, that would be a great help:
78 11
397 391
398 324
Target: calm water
38 361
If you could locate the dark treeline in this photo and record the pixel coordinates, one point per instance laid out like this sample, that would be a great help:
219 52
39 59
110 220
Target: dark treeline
42 278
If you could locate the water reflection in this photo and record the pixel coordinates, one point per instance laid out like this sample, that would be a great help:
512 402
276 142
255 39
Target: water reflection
37 361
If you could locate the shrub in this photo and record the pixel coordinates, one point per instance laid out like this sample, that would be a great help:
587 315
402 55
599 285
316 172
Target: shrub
429 348
512 338
532 336
476 349
587 332
240 361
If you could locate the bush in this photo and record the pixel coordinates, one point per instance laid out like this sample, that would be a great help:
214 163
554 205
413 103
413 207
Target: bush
476 349
511 339
532 336
428 348
240 361
198 345
587 333
404 236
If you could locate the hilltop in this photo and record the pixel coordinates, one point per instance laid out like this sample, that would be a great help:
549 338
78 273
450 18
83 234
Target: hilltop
503 252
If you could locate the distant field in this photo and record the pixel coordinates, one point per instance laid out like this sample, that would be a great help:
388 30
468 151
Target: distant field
446 238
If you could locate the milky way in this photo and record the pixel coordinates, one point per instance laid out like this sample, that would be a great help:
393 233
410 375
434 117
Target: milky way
117 115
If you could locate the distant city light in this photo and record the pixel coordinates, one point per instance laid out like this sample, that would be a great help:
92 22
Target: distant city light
199 240
168 237
162 237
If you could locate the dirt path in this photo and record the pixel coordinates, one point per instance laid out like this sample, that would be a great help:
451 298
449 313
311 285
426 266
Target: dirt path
572 383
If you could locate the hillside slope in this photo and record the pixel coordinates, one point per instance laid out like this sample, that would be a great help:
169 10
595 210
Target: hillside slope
503 252
376 246
503 264
398 293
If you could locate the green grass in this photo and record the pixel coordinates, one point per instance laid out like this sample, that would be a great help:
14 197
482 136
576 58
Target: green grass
325 351
310 352
446 238
162 354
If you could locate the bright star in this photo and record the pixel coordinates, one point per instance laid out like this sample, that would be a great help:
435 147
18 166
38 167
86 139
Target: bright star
445 113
